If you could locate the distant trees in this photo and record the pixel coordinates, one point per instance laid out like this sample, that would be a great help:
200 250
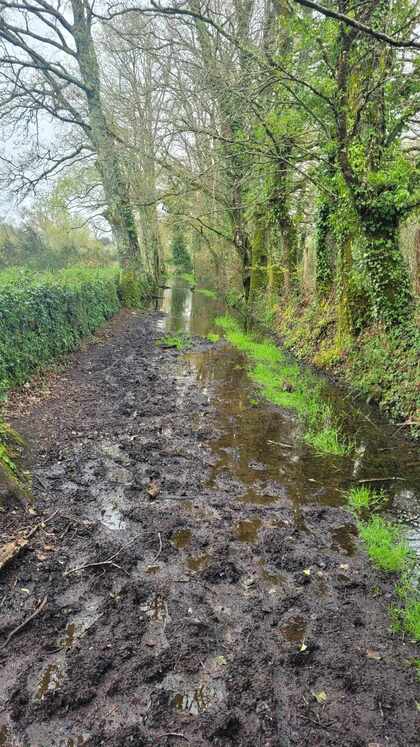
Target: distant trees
282 135
180 255
50 71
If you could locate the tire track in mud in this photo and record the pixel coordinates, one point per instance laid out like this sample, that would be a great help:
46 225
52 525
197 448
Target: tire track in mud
221 622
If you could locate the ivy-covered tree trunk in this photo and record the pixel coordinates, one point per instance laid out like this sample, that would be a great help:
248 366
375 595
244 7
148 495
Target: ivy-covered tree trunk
119 212
259 262
324 250
344 321
388 273
376 207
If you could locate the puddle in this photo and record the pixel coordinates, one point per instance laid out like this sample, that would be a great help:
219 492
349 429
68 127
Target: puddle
4 736
70 635
50 681
194 702
156 608
344 538
181 538
193 694
294 630
198 563
271 579
260 456
111 517
247 530
252 496
152 569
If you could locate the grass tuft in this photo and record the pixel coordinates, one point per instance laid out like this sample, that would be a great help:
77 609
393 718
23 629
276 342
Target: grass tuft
388 549
385 544
213 337
361 499
180 342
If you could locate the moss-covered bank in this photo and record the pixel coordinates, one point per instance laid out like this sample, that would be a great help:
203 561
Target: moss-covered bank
382 366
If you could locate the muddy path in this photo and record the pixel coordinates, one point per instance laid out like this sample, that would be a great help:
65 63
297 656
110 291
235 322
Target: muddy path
204 583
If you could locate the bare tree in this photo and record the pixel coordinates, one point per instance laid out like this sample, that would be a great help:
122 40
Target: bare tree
49 68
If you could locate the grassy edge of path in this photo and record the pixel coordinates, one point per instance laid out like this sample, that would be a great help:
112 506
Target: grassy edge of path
283 382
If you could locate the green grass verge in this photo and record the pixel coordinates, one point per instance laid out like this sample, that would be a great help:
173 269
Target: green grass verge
388 549
286 385
213 337
180 342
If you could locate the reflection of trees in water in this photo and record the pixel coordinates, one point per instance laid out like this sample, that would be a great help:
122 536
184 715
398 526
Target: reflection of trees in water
180 309
190 312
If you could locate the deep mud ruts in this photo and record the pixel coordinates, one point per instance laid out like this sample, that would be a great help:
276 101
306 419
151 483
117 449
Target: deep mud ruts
213 621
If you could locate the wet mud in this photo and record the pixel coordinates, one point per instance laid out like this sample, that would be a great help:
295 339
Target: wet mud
232 603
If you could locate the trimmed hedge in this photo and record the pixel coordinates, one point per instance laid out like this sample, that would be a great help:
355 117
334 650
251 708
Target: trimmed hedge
43 316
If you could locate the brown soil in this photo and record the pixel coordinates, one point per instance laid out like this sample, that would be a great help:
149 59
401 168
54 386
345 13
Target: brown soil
206 620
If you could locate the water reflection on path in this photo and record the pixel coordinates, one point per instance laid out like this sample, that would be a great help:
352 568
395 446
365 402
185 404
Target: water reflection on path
260 454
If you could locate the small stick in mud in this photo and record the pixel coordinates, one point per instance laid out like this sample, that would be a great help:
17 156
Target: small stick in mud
25 622
108 561
176 736
160 548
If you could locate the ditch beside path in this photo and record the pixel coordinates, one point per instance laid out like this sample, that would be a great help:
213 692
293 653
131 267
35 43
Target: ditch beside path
204 584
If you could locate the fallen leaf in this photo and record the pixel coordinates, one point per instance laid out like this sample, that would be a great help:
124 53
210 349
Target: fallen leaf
344 566
373 655
320 697
303 646
153 489
307 572
221 661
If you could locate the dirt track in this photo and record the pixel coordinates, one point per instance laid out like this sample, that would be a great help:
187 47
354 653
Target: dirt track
202 627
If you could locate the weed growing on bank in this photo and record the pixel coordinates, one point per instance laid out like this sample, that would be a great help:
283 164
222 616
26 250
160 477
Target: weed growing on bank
362 498
284 383
388 549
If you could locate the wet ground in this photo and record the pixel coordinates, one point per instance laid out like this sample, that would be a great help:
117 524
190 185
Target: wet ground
204 583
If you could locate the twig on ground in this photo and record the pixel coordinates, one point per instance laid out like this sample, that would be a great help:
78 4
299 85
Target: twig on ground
41 524
9 551
160 548
108 561
380 479
25 622
41 482
173 734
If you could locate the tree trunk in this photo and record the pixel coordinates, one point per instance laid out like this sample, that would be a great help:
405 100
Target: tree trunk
119 213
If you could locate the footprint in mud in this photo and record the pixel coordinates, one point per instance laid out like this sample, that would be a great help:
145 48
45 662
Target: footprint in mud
247 530
181 538
189 694
294 630
198 563
50 681
156 608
